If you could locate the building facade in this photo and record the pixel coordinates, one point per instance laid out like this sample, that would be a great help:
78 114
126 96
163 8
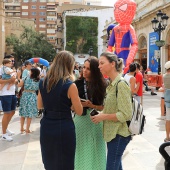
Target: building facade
2 32
14 26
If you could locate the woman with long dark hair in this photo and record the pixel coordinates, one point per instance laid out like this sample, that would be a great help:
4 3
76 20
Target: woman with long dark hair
28 100
90 146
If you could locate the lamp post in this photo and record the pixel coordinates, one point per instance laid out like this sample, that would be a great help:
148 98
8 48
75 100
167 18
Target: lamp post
90 50
159 24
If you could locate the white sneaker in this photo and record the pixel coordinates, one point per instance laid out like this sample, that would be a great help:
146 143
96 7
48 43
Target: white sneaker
6 137
162 118
10 133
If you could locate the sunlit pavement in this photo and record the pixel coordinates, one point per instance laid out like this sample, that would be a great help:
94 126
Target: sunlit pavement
23 153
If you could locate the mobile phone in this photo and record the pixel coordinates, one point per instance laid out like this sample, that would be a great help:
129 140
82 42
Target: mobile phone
94 112
83 100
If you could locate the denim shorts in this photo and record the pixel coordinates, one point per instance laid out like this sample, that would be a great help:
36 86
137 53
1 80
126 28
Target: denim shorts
8 103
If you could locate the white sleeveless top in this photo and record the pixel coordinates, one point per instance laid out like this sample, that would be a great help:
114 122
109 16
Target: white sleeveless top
127 78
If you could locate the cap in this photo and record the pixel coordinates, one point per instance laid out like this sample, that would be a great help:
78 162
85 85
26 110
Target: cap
167 65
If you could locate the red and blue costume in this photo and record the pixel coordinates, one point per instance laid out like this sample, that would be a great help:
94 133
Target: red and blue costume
123 35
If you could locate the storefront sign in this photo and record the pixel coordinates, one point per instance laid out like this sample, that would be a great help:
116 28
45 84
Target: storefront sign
153 64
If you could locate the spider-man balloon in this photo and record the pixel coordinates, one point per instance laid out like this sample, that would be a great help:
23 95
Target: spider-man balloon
123 35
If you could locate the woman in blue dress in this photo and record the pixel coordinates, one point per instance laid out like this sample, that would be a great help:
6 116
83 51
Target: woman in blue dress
28 101
58 94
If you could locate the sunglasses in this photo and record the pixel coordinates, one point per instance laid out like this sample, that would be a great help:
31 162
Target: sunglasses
13 61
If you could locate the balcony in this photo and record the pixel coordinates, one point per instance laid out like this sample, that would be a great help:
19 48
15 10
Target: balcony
12 9
12 15
12 4
53 27
51 9
51 22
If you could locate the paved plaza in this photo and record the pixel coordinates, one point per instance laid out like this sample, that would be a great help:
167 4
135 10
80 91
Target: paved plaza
141 154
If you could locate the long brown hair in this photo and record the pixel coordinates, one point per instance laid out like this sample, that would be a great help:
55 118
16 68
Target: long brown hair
61 68
97 84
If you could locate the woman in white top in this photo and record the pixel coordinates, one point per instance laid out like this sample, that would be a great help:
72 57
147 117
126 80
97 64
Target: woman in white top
130 79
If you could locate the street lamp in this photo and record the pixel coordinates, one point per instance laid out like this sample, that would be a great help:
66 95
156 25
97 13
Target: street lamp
90 50
159 24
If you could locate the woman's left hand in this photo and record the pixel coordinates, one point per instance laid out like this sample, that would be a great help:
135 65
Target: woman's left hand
97 118
89 104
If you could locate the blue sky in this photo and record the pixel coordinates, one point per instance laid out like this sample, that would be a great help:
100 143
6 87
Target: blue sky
108 2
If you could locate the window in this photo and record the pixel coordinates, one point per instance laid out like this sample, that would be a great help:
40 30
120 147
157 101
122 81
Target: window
33 13
25 0
42 26
51 19
33 6
24 7
24 13
42 13
34 0
42 7
42 0
42 19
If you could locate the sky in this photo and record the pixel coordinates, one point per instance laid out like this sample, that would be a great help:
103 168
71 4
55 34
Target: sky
108 2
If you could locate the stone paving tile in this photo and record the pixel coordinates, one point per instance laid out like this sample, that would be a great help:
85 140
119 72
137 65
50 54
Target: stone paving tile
11 167
34 166
7 158
33 157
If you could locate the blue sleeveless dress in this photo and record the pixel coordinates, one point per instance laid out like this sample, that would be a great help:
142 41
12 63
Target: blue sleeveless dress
57 130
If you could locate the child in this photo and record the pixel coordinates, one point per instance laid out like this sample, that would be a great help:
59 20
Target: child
6 72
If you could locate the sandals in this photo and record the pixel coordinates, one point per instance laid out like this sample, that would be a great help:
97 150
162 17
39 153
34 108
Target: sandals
23 131
166 140
28 131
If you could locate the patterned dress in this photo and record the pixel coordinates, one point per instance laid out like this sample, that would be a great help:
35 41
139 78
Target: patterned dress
90 146
28 101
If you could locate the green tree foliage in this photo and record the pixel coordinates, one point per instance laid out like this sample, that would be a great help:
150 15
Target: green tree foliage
81 34
30 44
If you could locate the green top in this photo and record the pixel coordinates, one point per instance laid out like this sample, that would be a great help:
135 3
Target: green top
122 106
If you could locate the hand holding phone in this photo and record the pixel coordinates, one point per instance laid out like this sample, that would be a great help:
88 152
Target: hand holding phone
94 112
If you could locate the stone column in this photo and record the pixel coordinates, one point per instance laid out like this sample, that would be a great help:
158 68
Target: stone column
2 30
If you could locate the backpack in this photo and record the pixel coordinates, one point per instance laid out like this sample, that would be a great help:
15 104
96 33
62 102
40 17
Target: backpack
136 124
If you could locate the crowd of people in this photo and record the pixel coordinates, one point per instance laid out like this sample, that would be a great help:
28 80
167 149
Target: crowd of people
26 80
70 137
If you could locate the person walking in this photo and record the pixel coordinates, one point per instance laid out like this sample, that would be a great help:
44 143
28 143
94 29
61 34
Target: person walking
28 100
166 81
57 95
90 148
117 110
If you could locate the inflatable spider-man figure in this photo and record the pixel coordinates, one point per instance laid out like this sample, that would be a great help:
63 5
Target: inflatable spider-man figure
123 35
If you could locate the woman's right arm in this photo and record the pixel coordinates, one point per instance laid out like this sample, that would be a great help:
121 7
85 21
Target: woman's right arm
73 95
